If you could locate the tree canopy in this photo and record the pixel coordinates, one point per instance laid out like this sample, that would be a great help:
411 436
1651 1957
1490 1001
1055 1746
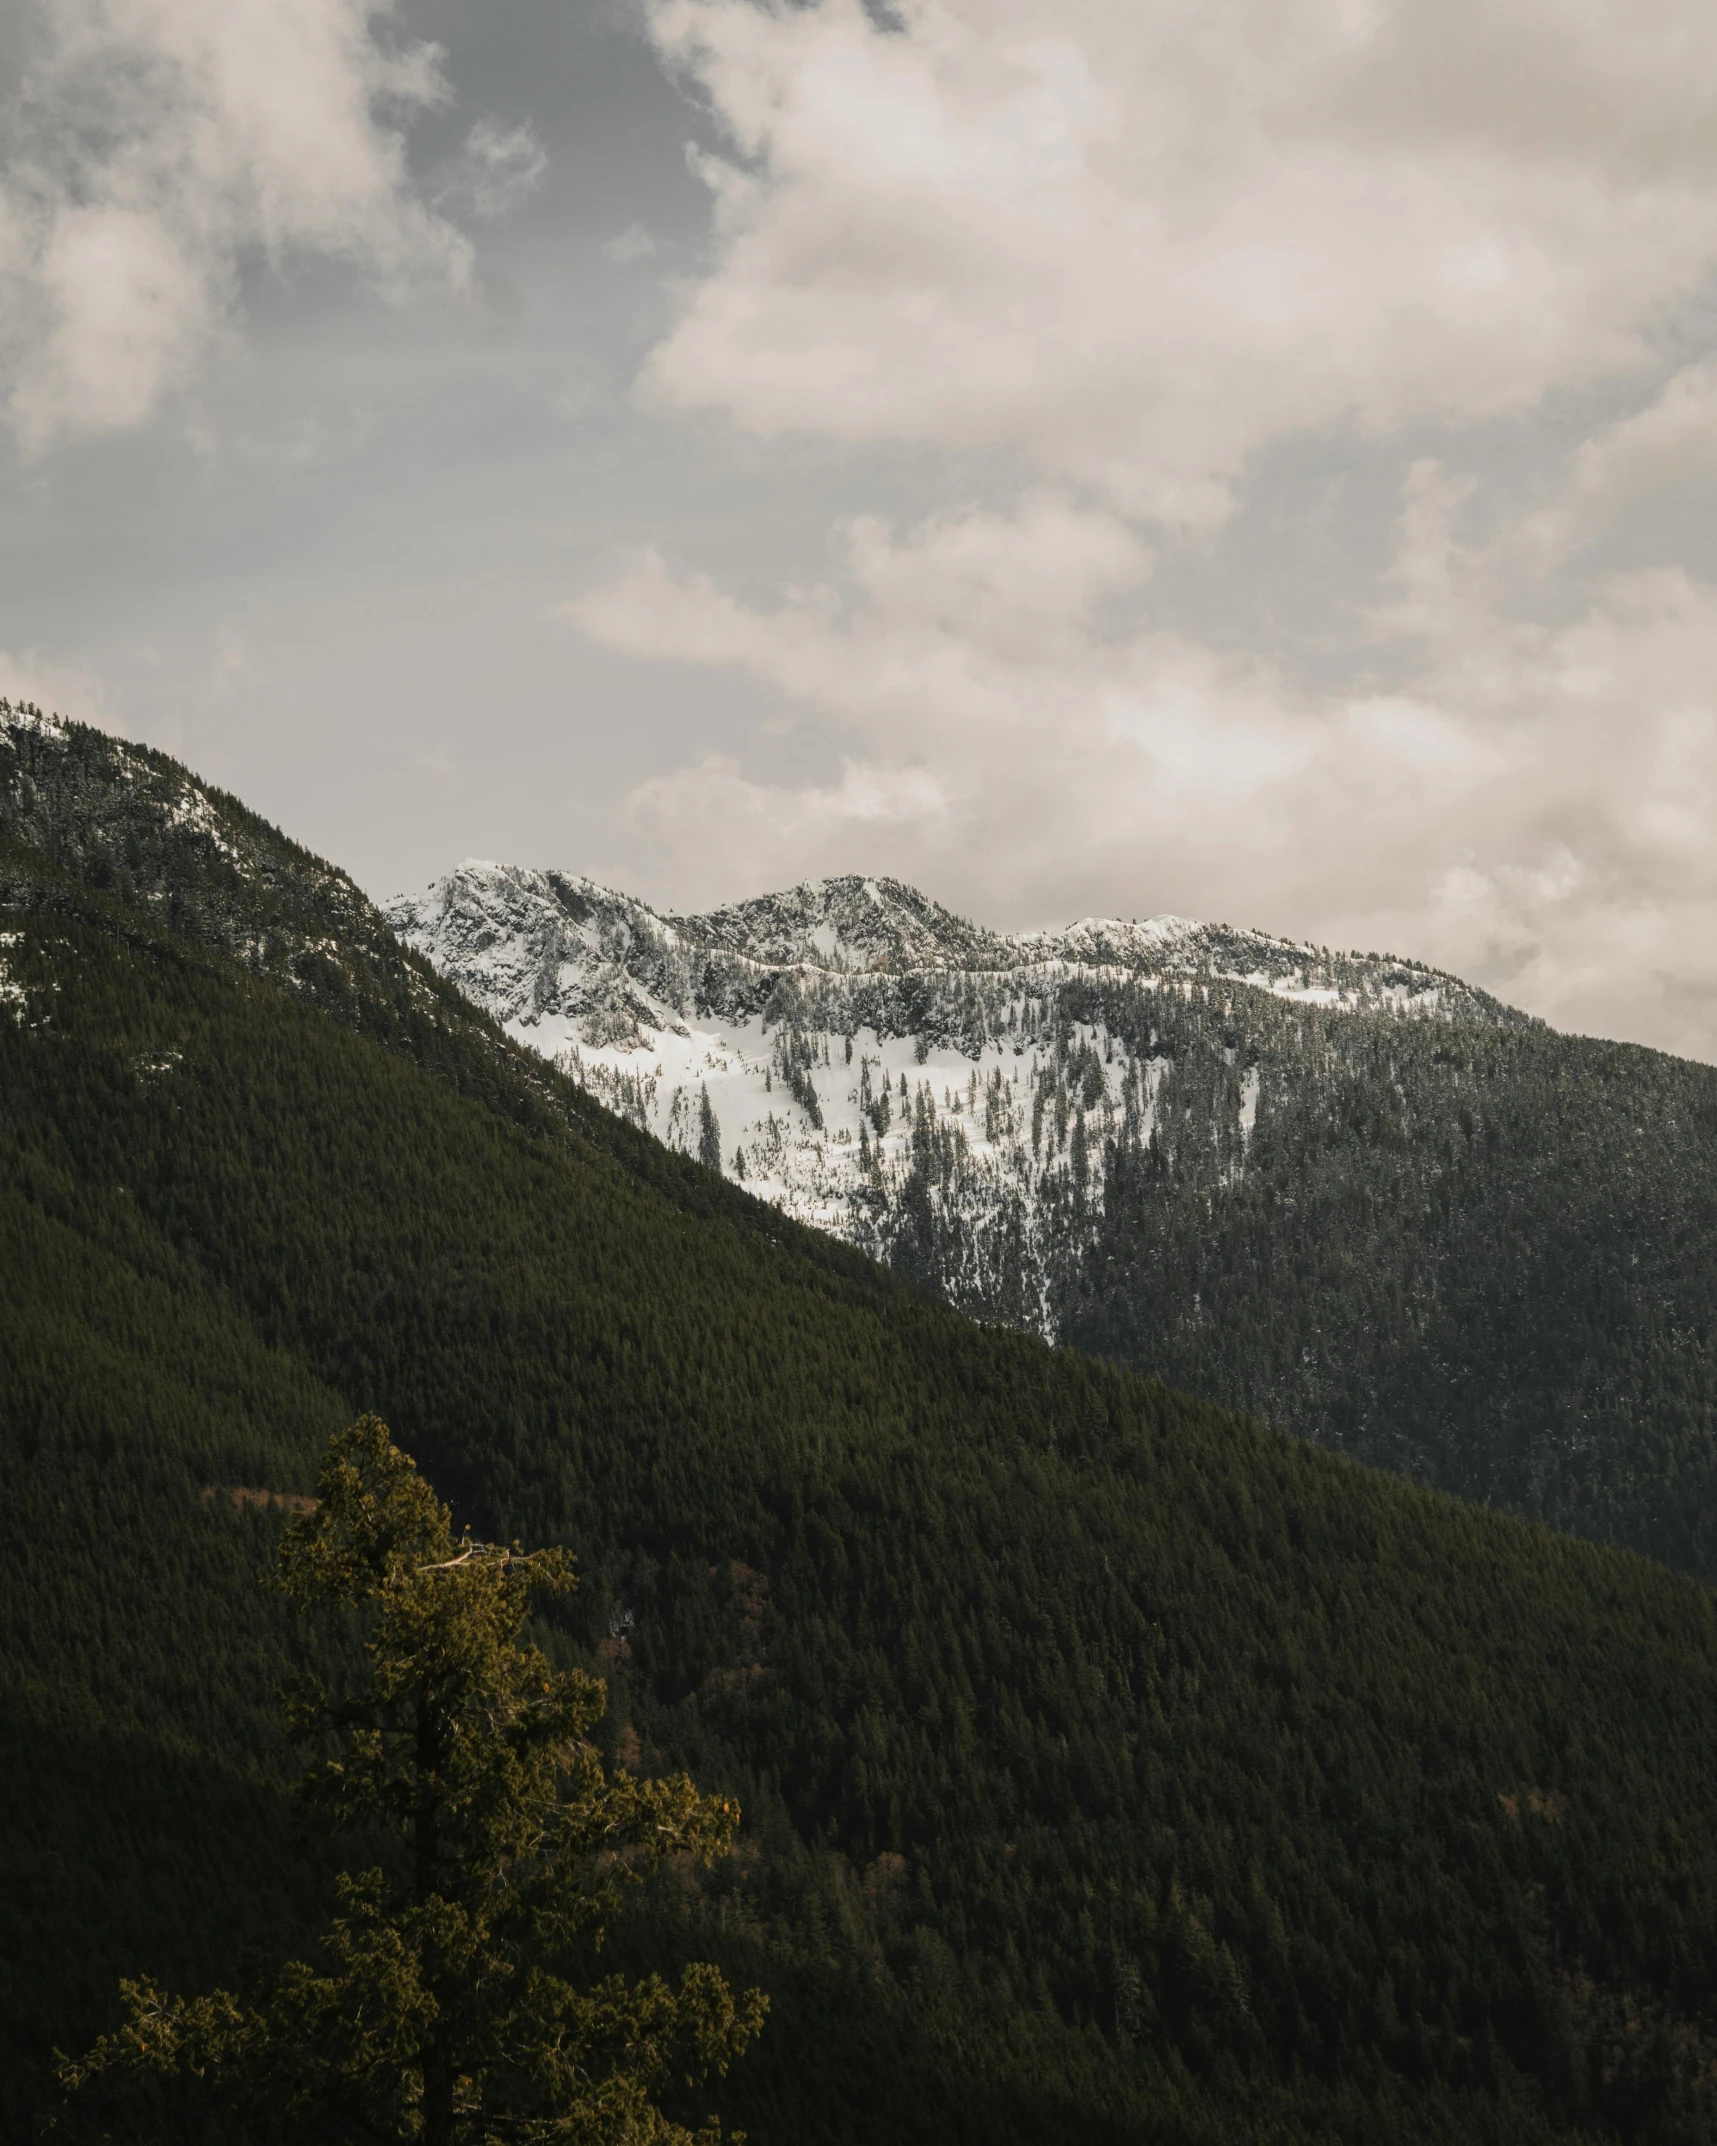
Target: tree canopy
455 2001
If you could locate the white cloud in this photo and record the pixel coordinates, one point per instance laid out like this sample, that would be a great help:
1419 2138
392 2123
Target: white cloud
1135 241
1128 245
150 144
1535 810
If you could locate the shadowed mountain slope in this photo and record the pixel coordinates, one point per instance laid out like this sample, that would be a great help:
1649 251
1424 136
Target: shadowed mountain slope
1115 1768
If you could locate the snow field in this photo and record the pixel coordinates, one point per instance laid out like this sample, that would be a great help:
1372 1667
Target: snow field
770 1143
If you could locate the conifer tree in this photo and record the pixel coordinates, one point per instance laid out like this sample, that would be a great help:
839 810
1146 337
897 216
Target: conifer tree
456 2002
709 1133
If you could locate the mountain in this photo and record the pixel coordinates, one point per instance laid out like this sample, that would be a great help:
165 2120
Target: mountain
1115 1768
535 946
761 1006
1348 1193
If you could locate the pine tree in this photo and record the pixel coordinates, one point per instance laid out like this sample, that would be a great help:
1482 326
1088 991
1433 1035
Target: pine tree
709 1133
450 2007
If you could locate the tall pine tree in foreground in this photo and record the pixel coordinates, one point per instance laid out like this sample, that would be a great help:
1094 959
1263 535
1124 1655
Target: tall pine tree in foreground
457 2001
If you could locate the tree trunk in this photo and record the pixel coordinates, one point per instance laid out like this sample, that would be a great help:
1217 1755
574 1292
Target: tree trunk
437 2098
438 2064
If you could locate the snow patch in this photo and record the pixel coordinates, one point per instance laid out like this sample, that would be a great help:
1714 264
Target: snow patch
30 718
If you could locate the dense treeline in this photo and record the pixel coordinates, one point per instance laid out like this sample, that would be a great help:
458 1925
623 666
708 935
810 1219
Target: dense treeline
1114 1768
1499 1242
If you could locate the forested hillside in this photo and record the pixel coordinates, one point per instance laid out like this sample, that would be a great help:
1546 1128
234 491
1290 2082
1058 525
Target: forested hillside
1114 1768
1347 1193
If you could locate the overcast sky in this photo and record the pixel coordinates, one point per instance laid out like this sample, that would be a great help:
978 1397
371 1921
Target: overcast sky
1250 458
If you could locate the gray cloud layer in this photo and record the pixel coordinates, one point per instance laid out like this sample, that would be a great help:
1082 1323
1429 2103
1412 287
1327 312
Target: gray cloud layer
1137 248
1250 461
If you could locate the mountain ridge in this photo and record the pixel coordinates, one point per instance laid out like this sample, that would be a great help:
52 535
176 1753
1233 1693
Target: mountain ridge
818 924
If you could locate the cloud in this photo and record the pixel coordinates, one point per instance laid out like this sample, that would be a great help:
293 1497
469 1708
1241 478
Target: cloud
58 688
153 144
1667 447
499 167
1135 242
1534 809
1115 251
633 244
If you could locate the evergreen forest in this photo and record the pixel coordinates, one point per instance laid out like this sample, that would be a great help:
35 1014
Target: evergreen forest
1114 1767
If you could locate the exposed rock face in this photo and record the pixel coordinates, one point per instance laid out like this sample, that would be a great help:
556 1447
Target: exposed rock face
526 943
848 925
523 944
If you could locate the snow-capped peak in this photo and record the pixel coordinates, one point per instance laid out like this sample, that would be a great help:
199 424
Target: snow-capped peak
527 943
826 1042
847 924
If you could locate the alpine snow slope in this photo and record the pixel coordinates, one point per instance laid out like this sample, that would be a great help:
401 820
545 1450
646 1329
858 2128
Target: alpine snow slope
1348 1192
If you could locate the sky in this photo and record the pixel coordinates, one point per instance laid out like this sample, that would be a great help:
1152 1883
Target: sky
1252 459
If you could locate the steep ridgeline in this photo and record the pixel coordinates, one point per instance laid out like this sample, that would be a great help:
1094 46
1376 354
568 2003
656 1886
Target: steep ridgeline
1348 1193
831 1024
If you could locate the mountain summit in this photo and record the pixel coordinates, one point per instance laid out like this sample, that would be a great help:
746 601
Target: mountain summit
847 924
530 942
826 1024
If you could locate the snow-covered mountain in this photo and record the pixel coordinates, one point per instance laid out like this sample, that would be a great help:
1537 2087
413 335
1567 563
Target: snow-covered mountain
1344 1192
839 1043
529 942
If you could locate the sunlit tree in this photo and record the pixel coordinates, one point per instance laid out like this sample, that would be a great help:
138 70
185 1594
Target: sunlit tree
456 2000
